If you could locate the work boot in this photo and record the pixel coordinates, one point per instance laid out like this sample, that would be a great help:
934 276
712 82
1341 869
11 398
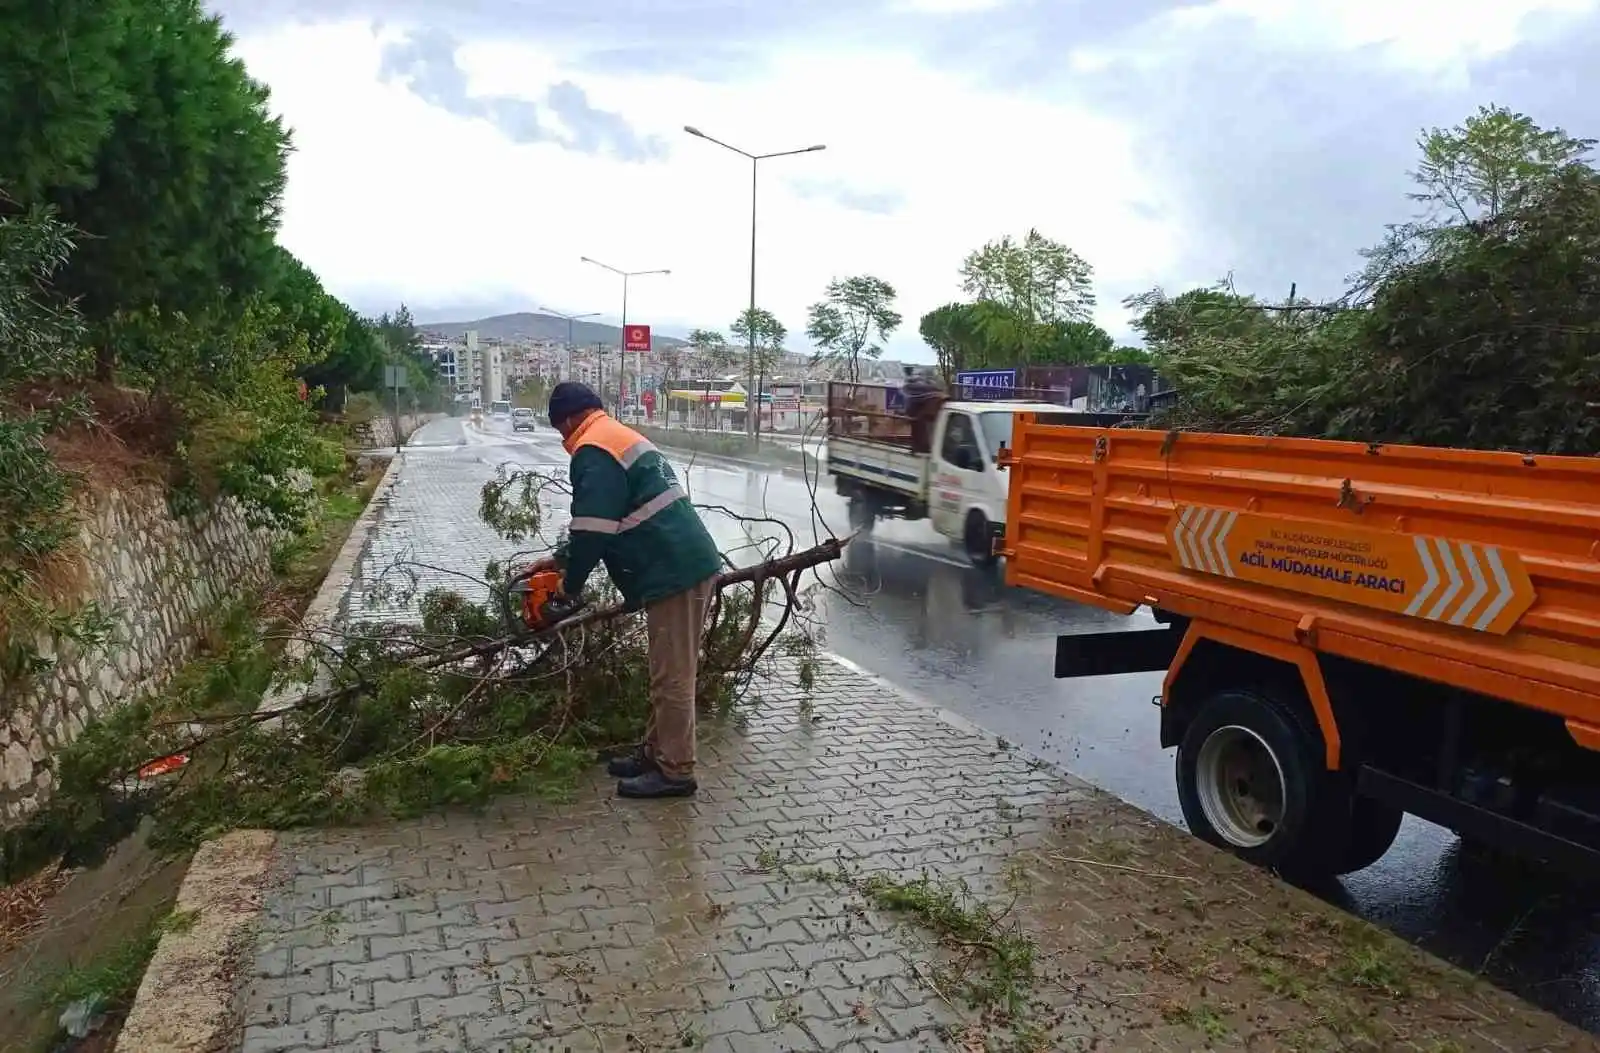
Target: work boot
653 784
630 765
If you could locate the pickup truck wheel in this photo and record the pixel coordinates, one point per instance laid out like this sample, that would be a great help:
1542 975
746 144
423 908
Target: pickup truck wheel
863 515
976 540
1250 780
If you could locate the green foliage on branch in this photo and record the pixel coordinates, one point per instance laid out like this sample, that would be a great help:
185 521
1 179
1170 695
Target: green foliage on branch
38 346
397 719
988 335
164 155
39 338
850 321
149 323
1473 327
760 329
1037 279
1032 305
712 353
1491 160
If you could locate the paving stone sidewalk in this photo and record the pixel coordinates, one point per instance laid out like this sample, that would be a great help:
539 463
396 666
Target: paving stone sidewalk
601 924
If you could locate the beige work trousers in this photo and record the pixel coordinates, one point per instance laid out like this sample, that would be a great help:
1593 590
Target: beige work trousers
674 627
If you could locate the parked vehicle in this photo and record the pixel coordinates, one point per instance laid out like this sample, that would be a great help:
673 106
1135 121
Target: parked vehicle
955 485
523 419
1352 631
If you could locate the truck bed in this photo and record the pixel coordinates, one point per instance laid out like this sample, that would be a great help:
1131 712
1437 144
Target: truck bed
1476 569
884 465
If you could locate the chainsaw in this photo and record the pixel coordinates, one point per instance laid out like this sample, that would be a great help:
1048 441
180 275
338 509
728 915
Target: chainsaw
534 602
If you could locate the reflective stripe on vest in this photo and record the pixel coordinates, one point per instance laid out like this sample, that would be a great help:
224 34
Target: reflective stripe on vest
627 446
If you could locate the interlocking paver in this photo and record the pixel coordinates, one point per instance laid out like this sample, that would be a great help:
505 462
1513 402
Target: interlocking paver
600 924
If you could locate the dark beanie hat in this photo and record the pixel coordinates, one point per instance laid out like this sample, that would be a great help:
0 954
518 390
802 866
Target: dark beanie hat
569 398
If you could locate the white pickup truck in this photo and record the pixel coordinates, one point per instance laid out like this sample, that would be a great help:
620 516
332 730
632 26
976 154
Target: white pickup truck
956 485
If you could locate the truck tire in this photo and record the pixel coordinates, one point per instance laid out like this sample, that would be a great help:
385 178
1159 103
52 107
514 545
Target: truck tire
975 539
1251 781
1373 828
863 514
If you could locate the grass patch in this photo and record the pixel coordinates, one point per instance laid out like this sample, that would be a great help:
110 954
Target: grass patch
1372 966
300 563
1333 966
991 959
1202 1016
106 984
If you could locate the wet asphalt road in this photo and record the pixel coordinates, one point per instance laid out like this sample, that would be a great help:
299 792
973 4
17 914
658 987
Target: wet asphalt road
919 616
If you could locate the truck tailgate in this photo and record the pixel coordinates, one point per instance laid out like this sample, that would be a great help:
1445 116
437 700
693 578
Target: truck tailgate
881 464
1471 568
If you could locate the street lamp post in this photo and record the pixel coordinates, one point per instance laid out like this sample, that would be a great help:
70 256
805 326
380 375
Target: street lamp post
622 342
570 319
753 399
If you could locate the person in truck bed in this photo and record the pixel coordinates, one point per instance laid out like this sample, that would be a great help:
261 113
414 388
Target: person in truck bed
924 396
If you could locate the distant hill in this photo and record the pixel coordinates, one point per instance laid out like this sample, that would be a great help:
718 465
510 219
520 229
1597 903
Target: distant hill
528 326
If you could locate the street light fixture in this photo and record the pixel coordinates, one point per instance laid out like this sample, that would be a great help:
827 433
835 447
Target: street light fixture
622 340
753 406
570 319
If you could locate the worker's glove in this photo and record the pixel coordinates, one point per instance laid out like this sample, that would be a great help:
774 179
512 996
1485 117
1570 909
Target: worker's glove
559 609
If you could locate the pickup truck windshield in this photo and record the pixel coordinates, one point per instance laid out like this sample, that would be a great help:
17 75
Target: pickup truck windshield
996 431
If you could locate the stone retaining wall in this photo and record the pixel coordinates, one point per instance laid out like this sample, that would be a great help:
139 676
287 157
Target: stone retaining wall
157 578
379 431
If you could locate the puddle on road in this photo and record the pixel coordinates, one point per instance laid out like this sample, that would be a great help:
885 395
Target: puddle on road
97 912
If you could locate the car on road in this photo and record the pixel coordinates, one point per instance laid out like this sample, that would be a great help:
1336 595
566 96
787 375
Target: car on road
500 408
523 419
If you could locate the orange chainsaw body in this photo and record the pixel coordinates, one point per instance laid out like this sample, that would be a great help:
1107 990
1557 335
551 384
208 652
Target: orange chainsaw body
537 590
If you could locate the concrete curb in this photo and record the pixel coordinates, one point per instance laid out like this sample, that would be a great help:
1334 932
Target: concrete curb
342 573
324 607
187 1001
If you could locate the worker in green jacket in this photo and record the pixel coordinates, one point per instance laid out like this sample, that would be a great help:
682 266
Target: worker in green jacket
629 513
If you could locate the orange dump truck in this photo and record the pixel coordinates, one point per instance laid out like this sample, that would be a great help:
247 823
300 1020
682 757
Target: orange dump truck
1352 631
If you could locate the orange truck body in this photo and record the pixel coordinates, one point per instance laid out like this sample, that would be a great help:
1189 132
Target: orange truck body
1479 570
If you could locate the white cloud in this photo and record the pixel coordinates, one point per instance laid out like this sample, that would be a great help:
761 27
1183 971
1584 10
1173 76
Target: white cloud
946 7
391 197
1437 36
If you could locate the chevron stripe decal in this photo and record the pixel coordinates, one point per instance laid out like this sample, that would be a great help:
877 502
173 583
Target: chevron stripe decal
1453 582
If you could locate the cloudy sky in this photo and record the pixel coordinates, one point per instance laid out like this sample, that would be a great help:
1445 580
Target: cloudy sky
462 157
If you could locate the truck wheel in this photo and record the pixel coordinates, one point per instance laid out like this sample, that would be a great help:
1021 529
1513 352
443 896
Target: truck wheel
1373 828
976 540
863 515
1251 780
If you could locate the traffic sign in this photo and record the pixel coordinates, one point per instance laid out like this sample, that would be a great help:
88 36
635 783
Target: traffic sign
636 338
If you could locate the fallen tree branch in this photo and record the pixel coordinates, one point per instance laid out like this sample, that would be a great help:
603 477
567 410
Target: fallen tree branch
756 574
443 704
